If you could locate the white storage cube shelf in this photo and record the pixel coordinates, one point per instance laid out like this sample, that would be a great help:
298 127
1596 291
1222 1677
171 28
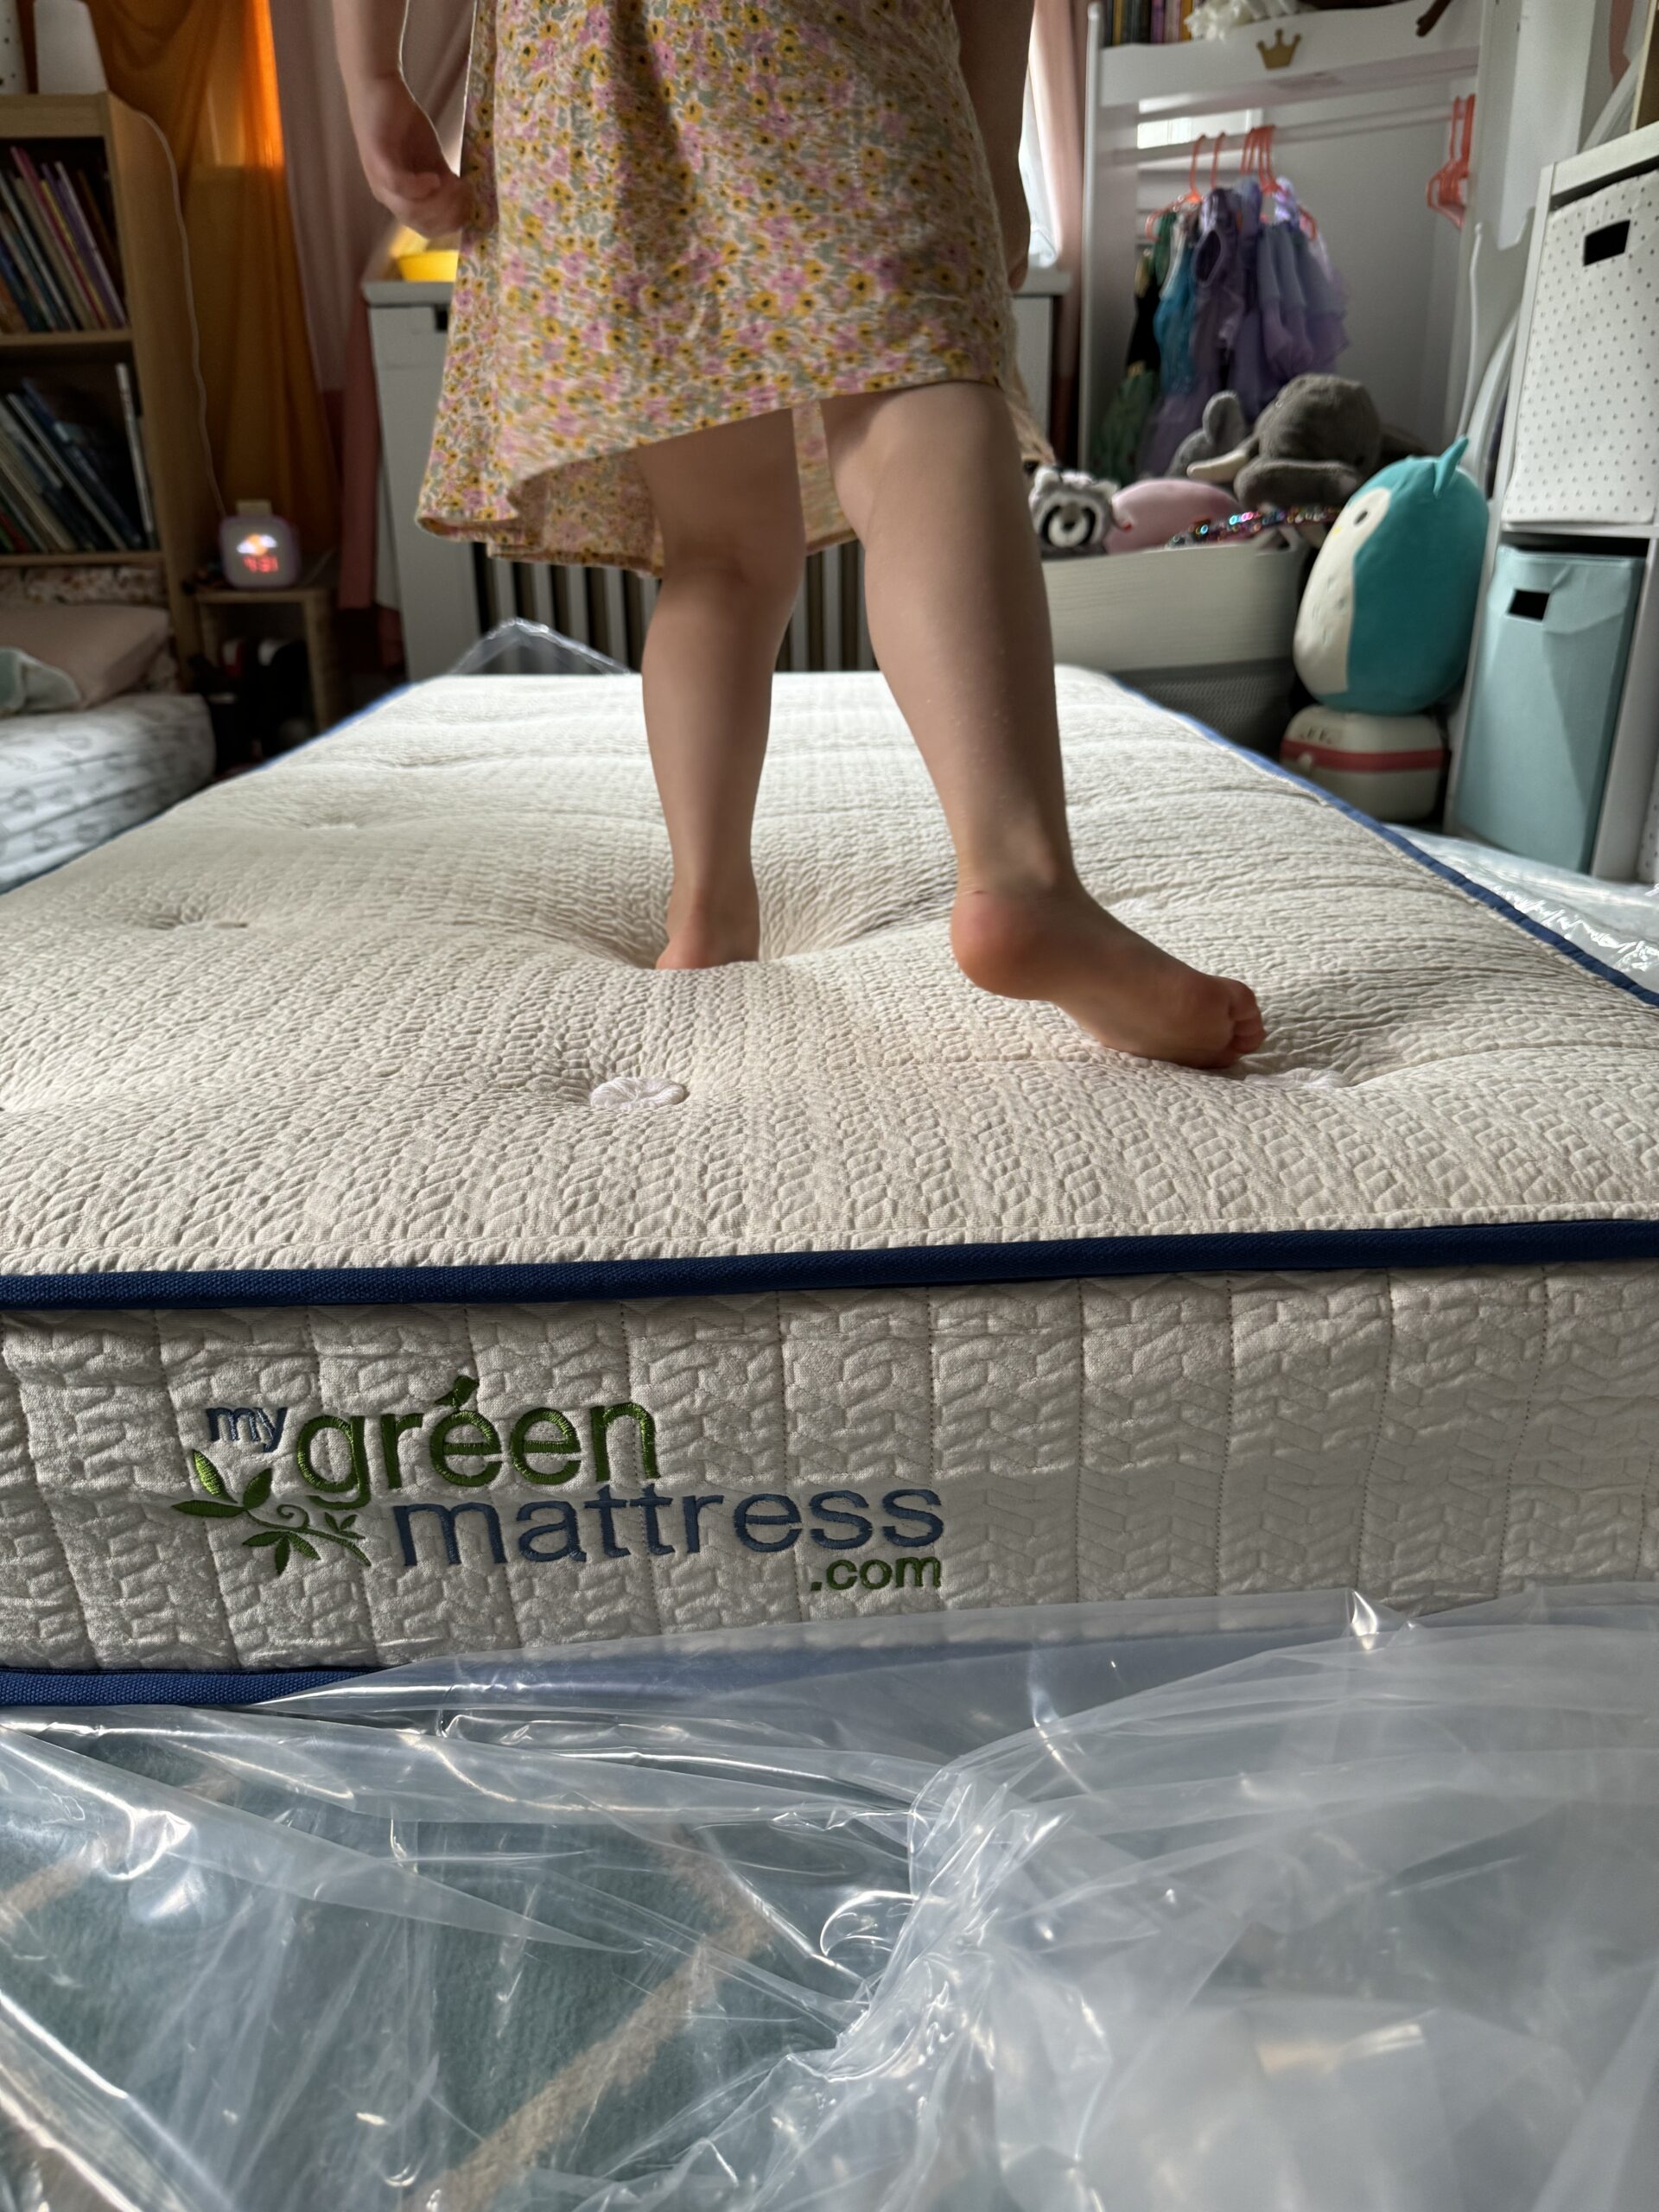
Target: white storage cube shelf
1579 471
1586 445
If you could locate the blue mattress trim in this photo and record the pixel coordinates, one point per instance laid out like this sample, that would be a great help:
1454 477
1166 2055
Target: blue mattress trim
1401 843
1507 1244
1462 1244
30 1686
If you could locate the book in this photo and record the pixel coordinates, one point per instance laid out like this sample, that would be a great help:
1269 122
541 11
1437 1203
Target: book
18 291
66 478
72 511
47 534
100 221
75 197
34 258
56 243
1157 22
134 422
90 456
26 250
59 267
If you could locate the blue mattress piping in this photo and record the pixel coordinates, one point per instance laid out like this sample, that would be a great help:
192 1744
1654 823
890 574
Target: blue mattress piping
31 1687
1412 851
1502 1243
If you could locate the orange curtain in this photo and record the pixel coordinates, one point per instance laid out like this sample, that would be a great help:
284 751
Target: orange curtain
205 70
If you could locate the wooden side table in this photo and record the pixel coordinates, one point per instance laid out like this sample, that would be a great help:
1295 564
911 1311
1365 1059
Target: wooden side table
311 601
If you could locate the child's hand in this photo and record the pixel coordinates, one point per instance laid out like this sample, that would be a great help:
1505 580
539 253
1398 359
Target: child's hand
403 162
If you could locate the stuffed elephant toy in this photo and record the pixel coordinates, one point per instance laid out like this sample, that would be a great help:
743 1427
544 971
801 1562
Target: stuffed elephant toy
1313 444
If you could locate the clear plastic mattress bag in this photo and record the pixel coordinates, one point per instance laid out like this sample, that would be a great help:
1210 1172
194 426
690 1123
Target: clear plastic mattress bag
521 648
1618 923
980 1913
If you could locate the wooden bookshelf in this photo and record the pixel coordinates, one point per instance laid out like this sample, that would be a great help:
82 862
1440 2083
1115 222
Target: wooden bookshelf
159 344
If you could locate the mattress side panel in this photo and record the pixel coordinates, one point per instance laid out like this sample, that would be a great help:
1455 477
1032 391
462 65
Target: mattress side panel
352 1485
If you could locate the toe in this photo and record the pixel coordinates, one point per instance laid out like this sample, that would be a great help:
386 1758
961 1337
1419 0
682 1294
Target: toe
1250 1030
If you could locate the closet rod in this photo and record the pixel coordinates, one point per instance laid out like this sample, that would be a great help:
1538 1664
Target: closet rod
1289 134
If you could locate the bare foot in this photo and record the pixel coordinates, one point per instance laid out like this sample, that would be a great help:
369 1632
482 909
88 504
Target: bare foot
1060 946
702 936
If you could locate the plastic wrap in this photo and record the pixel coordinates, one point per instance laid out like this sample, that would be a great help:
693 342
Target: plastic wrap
521 648
1616 922
1366 1915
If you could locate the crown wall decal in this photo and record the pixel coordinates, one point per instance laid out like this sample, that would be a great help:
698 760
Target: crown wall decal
1282 53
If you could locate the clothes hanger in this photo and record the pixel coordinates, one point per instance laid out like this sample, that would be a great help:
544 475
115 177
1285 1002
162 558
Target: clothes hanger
1449 188
1191 197
1277 194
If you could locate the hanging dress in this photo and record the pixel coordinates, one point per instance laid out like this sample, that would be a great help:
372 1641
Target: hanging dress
693 212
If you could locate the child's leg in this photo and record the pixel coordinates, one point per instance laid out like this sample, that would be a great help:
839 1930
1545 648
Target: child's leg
729 503
930 480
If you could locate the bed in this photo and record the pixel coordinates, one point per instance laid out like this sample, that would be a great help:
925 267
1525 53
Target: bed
72 780
393 1262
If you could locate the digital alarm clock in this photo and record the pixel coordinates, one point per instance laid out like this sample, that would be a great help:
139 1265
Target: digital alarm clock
258 549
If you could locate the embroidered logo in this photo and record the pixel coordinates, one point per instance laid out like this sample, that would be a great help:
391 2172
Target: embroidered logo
572 1510
290 1528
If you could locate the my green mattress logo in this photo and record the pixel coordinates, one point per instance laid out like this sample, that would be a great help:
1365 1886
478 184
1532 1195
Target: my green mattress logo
349 1463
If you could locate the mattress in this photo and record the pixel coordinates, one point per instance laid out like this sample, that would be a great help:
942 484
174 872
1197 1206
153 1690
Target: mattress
71 781
391 1261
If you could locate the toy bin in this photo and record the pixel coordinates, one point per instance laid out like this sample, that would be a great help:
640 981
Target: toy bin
1545 692
1205 631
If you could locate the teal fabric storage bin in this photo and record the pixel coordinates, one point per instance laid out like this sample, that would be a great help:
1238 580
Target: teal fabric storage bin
1549 671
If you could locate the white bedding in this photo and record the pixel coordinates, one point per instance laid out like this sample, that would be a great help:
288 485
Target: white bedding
70 781
298 1129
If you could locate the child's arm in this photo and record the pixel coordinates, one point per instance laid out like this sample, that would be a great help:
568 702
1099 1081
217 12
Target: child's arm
995 42
401 155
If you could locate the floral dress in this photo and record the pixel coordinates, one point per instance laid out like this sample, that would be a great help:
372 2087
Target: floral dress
690 211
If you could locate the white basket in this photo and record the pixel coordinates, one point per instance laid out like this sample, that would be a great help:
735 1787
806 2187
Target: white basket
1206 631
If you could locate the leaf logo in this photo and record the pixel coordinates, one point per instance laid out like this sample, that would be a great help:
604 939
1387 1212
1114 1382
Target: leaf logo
290 1528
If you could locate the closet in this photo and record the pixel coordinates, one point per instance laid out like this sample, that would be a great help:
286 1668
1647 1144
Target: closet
1365 111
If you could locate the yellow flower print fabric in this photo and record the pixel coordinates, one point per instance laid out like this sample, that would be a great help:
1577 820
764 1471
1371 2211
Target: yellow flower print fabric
689 211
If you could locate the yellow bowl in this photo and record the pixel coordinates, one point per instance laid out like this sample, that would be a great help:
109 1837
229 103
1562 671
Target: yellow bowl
431 267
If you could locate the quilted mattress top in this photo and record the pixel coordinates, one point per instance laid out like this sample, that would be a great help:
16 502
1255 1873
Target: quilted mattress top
334 1031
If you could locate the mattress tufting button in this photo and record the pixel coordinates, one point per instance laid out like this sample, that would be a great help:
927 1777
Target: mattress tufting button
623 1093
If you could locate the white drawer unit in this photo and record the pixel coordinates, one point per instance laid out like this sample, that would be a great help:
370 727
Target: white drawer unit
435 582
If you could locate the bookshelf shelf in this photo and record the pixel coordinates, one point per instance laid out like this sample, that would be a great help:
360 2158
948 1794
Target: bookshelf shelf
66 341
155 353
150 560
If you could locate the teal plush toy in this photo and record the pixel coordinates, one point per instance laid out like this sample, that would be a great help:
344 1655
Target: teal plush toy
1385 622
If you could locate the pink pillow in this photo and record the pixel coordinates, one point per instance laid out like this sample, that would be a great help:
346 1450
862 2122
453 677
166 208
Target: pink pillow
1151 512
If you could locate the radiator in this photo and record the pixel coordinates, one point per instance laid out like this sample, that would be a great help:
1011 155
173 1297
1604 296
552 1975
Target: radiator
610 608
